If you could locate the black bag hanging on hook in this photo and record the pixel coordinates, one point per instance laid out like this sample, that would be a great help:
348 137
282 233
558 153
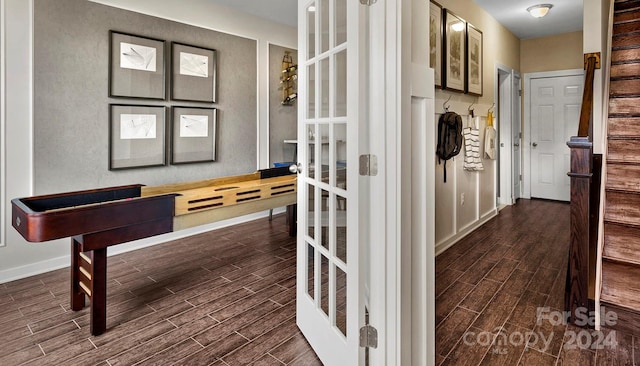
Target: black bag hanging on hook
449 138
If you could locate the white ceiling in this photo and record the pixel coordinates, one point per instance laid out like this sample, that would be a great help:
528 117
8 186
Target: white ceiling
564 17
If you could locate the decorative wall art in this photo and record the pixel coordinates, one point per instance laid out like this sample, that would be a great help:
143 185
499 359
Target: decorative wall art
288 80
193 135
454 57
136 66
474 60
136 136
193 74
435 41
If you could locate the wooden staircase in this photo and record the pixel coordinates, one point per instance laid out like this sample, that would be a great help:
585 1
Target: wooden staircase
621 254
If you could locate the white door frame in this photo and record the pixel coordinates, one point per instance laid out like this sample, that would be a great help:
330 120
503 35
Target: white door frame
503 115
516 119
526 138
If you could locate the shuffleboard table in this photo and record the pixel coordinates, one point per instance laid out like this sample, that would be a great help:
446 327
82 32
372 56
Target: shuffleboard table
99 218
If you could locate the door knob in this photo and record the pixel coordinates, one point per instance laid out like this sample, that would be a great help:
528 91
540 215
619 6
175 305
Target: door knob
534 144
516 144
295 168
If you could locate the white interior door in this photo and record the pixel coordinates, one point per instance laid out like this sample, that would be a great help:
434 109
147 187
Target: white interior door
330 307
555 111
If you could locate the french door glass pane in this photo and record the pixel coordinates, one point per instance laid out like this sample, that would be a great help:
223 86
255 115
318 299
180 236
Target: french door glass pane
341 301
324 284
340 153
340 21
311 21
324 25
324 87
311 91
310 271
341 84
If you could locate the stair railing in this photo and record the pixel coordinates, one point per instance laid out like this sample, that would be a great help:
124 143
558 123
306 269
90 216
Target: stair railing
585 198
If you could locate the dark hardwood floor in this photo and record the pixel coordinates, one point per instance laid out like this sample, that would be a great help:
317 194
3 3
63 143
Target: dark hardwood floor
225 297
500 291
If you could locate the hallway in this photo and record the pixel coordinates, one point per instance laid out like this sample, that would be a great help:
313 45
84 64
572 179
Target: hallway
498 279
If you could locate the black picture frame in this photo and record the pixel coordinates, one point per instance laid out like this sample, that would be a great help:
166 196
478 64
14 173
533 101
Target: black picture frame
136 66
193 73
435 41
137 136
194 132
453 56
474 55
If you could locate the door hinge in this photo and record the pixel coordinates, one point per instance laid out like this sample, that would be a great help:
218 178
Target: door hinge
368 2
368 337
520 176
368 165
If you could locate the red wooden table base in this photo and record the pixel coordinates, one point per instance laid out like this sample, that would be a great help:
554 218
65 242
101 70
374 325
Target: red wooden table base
89 277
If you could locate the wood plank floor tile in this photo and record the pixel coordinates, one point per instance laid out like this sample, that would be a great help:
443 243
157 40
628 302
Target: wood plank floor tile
534 357
271 320
467 353
163 341
449 300
617 352
239 321
525 313
543 280
548 336
496 312
452 329
216 350
169 355
507 347
445 279
22 355
290 349
261 344
267 360
480 296
477 272
502 270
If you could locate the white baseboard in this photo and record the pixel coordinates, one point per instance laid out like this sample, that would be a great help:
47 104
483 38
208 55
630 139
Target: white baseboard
52 264
448 242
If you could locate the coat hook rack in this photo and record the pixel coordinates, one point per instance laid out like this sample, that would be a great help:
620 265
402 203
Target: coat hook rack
471 110
445 105
491 108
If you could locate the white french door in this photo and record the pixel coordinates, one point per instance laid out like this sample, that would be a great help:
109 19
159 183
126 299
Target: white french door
330 306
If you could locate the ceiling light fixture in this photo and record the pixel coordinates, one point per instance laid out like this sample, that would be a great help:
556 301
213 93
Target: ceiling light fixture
457 27
538 11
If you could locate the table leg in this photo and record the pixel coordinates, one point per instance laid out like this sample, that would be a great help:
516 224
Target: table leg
77 296
99 291
292 219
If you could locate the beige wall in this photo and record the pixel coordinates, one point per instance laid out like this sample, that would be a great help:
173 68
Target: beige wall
559 52
455 216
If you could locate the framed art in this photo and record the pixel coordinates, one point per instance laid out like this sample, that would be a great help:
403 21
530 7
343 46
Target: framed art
474 60
136 136
193 73
136 66
453 61
435 41
193 135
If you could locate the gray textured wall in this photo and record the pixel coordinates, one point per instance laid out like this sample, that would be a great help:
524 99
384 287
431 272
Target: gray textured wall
283 120
71 103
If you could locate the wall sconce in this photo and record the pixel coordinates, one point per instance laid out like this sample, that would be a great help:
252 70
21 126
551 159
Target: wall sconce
538 11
